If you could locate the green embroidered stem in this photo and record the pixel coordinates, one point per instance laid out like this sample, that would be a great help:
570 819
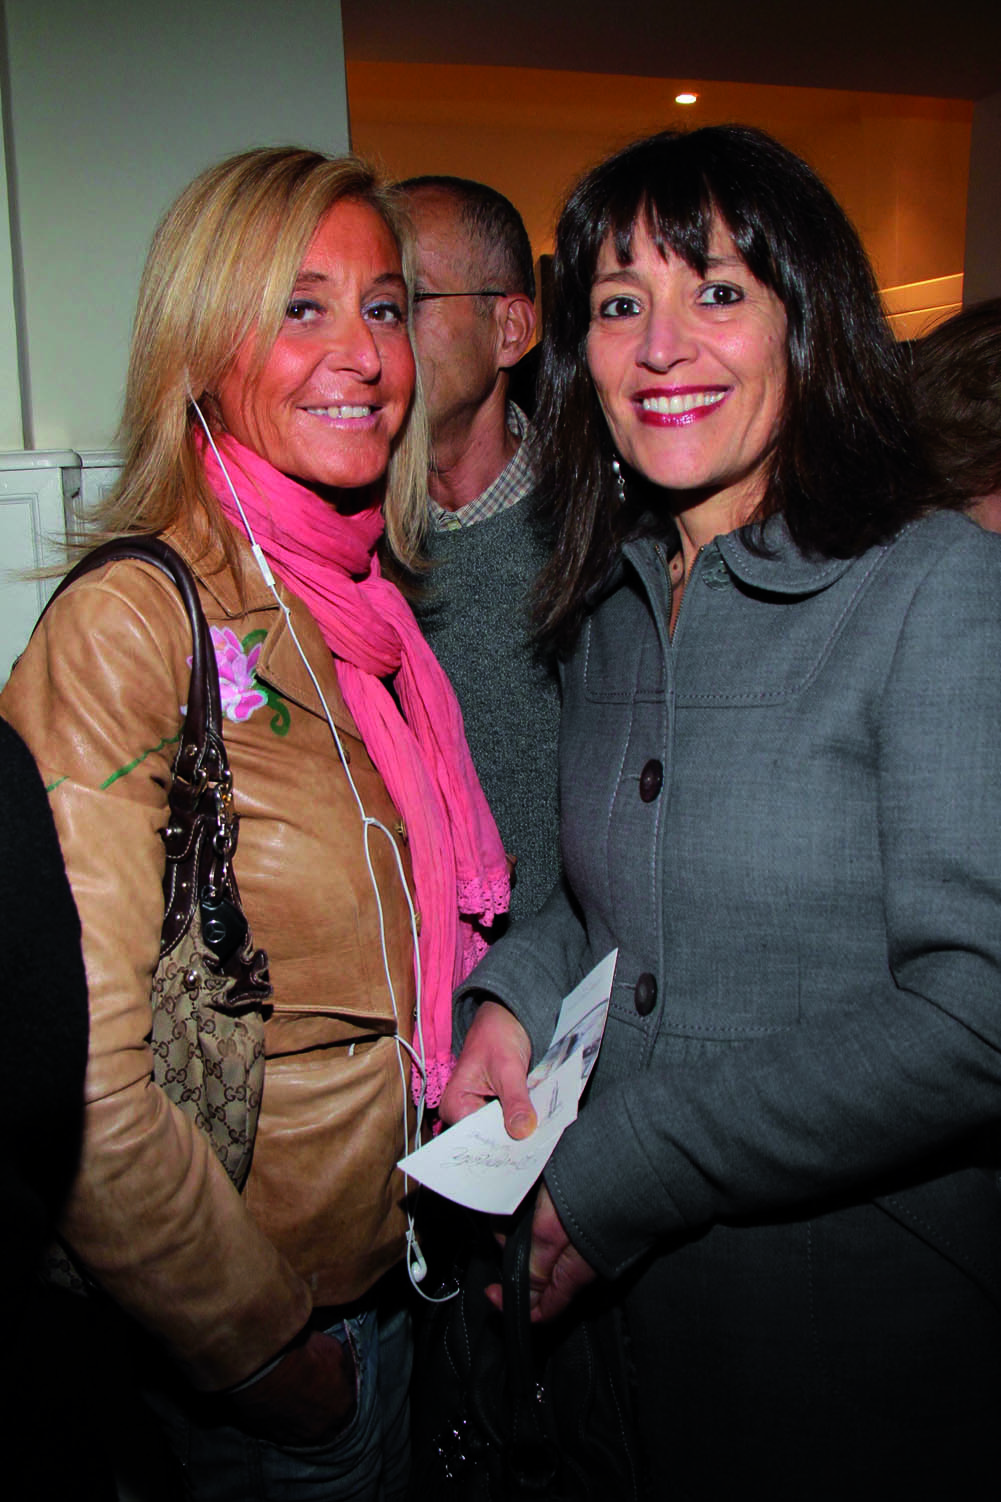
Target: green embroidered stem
169 740
281 718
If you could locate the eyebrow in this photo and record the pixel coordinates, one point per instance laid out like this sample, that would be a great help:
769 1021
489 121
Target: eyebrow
627 274
318 278
620 274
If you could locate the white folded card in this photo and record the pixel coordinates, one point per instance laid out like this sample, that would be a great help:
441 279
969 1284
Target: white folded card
475 1162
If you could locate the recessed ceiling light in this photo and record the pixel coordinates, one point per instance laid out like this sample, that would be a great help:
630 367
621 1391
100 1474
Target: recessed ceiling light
685 98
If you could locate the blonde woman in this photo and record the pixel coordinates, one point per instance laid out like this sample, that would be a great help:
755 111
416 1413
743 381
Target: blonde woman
270 391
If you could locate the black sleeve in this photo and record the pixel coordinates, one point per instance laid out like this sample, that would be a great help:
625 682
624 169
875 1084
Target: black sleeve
44 1017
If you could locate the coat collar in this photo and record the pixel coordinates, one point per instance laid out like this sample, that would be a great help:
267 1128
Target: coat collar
780 568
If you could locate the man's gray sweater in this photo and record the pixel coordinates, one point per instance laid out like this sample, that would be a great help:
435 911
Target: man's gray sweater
474 610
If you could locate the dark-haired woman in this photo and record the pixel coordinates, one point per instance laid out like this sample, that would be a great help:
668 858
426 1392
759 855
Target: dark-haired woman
781 801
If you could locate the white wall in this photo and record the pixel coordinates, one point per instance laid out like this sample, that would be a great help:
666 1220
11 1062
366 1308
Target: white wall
982 271
109 108
113 106
10 399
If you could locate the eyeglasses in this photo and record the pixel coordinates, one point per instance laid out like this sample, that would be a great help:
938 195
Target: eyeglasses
434 296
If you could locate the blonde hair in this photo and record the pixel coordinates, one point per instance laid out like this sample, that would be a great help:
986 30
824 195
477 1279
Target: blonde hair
223 262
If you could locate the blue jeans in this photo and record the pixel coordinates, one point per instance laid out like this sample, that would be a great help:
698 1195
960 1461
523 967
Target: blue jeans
368 1462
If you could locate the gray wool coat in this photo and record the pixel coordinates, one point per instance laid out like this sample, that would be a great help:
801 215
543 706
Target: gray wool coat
788 819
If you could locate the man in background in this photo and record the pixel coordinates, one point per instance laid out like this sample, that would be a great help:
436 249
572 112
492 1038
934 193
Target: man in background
474 318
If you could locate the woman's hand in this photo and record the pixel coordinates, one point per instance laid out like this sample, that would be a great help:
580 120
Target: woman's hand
493 1064
307 1399
556 1270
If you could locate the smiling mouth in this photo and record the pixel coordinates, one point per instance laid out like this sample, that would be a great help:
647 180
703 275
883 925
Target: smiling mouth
679 402
344 411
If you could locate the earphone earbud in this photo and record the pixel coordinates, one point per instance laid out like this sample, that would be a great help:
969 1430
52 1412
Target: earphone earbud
416 1264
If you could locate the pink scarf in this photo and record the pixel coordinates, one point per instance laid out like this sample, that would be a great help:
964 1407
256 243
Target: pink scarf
460 871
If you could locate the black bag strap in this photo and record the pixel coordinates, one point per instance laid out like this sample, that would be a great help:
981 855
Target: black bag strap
532 1456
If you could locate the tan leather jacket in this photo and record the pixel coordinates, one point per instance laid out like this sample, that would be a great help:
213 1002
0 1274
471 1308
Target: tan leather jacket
224 1280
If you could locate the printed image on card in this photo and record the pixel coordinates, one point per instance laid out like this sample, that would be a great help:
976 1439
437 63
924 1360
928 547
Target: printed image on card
475 1162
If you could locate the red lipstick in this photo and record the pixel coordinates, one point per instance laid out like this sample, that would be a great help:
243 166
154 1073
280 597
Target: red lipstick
678 406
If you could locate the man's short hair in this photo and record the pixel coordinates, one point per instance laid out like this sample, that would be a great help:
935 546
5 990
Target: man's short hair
495 226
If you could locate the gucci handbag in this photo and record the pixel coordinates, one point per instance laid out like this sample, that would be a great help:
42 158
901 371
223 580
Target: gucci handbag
210 985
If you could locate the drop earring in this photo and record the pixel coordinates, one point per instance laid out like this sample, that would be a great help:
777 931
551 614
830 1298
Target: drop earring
620 482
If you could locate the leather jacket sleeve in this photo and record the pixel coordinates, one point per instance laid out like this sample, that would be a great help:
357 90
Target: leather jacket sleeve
153 1216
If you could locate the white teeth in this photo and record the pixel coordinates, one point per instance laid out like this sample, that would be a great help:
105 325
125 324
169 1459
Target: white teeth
340 411
672 405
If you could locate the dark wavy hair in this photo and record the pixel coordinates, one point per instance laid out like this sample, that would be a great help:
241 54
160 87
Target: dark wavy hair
845 471
957 388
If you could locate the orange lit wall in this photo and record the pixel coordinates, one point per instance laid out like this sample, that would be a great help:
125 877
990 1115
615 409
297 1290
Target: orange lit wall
899 164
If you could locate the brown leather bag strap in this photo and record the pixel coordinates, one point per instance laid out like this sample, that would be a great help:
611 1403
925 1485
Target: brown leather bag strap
200 837
202 727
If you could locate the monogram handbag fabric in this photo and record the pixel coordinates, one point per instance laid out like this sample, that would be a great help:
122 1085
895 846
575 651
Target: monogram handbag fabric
207 1059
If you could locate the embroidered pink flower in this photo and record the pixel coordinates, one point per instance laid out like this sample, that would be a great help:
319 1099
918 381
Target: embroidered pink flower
238 688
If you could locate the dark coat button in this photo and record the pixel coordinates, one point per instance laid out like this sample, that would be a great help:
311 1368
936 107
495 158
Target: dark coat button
645 994
651 780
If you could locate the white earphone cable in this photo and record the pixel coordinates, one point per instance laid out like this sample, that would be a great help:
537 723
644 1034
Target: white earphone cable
416 1265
